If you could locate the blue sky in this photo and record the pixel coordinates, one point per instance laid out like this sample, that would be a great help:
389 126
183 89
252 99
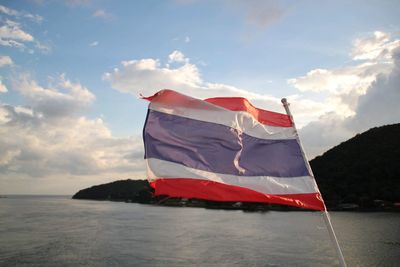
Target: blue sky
72 71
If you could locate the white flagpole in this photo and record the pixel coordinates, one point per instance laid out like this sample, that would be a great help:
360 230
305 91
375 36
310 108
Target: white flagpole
325 212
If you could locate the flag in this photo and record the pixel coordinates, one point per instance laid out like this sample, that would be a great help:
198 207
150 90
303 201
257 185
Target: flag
225 149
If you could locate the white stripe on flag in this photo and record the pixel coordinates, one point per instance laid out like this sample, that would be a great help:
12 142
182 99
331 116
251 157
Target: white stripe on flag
157 169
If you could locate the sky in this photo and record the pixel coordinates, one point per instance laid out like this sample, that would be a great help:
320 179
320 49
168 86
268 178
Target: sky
72 72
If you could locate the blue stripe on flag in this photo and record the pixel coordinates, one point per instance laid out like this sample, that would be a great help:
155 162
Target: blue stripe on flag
214 148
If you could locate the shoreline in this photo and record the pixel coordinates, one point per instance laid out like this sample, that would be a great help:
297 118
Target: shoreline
249 206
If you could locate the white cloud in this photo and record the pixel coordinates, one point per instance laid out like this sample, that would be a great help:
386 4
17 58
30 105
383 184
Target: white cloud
377 107
334 81
323 123
95 43
3 88
11 34
177 56
5 61
45 49
8 156
37 141
187 39
356 77
20 14
101 13
3 116
147 76
75 146
63 99
378 46
361 96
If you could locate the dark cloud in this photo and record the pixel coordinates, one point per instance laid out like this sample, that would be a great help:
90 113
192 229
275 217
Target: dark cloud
377 107
380 105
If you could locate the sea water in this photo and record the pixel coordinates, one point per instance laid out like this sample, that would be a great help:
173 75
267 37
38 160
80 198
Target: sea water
59 231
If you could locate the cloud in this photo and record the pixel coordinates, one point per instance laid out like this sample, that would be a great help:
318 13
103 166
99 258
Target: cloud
147 76
3 88
260 13
38 141
63 99
363 95
380 104
320 135
377 47
75 146
177 56
101 13
11 34
95 43
45 49
20 14
49 137
336 80
5 61
375 51
345 94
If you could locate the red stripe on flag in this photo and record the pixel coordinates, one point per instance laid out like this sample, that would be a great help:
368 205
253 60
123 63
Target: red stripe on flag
210 190
242 104
271 118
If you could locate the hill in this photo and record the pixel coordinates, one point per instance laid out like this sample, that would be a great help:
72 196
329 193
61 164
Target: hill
125 190
363 170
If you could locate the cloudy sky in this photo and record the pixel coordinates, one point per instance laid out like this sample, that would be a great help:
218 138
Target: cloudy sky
71 73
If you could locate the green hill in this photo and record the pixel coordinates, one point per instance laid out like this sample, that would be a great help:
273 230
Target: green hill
362 170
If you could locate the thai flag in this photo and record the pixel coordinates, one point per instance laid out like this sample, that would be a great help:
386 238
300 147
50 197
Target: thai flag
225 149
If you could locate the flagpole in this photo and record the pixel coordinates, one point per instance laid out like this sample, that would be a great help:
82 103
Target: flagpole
325 213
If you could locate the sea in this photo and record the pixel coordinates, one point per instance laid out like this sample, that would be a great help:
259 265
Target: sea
60 231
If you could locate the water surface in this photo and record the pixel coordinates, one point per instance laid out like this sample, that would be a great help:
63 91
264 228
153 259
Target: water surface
58 231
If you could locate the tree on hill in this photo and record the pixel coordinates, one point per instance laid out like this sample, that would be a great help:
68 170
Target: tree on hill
362 169
126 190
